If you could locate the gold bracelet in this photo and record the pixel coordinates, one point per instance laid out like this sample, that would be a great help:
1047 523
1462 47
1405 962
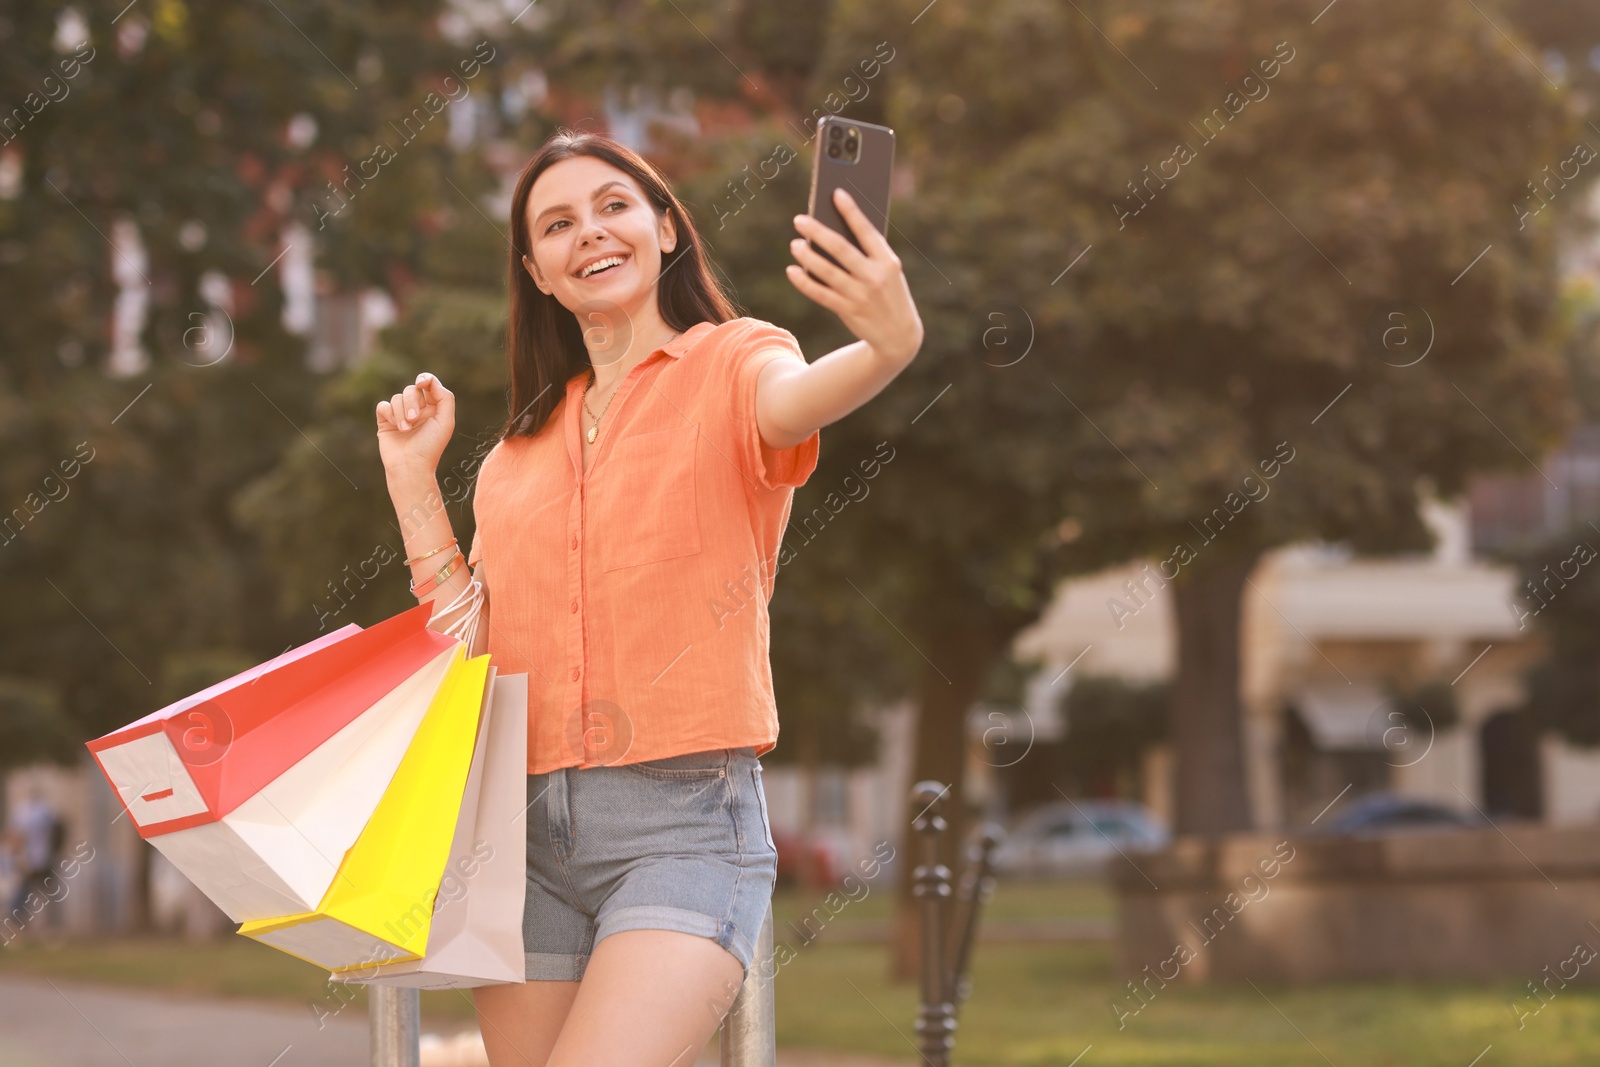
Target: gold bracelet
429 584
435 552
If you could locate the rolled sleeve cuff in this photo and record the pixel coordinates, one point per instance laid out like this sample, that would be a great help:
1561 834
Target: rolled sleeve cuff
771 468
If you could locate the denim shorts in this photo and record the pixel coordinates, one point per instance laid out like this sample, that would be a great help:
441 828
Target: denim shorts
681 843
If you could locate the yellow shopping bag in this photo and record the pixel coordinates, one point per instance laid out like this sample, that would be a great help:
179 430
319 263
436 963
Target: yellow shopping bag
380 906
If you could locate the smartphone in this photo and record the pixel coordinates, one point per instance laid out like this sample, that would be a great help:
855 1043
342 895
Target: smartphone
857 156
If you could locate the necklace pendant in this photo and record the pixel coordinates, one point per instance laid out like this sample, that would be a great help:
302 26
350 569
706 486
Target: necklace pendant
592 431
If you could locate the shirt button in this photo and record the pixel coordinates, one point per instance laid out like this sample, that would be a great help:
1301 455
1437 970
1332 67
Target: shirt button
574 542
574 606
574 674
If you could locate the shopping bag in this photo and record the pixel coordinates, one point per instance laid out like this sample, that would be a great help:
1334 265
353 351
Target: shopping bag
476 935
349 705
380 905
277 852
146 763
196 760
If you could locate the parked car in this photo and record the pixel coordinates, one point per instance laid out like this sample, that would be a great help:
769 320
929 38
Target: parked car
827 864
1077 838
1382 813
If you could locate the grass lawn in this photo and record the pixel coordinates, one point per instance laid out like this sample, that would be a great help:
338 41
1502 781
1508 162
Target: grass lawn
1011 901
1042 1005
1033 1004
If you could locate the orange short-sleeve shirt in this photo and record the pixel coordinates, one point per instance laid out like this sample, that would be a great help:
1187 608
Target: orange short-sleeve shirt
635 598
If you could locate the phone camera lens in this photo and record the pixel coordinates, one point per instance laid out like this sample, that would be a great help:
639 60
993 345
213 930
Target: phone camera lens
835 132
833 151
850 144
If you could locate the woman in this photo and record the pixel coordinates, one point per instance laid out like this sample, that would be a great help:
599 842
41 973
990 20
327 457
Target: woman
628 523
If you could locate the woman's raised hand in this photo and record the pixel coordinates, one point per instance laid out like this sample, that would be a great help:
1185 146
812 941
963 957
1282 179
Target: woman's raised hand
868 290
415 425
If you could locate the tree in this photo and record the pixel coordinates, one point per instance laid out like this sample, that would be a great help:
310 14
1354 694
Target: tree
1557 597
1203 335
157 158
265 111
1229 286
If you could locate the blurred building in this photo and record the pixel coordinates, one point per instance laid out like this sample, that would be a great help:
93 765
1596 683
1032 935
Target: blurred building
1333 645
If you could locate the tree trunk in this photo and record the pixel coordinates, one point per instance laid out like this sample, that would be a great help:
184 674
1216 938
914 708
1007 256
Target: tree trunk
141 913
961 661
1212 795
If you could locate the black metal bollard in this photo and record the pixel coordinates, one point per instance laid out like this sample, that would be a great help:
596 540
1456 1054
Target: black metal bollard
977 885
936 1020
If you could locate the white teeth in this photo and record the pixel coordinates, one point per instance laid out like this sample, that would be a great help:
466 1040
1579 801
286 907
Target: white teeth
613 261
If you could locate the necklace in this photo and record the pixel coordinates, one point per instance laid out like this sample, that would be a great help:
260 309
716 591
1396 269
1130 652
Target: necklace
594 430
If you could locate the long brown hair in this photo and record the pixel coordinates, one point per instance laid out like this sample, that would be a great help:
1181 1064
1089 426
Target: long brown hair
545 341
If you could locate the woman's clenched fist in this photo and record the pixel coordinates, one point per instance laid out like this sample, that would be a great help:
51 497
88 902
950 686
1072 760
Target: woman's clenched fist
415 425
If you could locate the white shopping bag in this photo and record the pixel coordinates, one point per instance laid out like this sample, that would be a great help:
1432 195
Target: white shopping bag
476 935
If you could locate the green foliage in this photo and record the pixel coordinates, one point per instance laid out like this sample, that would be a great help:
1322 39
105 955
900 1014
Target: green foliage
32 727
1110 724
1206 329
1581 313
334 547
137 574
1428 707
1557 594
189 671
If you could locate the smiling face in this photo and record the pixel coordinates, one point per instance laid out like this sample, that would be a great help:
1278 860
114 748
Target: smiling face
594 235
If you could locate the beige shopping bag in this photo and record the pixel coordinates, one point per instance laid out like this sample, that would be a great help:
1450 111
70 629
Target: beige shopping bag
476 936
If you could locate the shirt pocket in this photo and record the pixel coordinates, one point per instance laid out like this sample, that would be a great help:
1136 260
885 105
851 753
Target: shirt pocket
650 511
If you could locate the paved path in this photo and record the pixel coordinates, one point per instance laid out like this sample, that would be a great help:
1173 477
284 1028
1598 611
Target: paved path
51 1023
